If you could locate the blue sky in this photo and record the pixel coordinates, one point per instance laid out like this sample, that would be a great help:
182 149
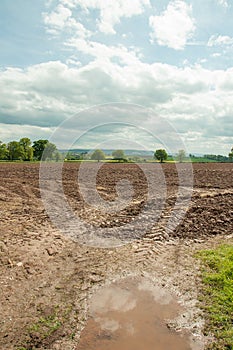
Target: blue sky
59 57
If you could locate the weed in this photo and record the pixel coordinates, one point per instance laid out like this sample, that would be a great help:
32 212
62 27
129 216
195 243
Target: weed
46 325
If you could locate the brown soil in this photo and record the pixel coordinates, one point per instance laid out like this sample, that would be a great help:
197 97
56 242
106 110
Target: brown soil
47 278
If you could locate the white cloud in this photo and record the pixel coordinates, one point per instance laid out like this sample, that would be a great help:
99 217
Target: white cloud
225 81
220 40
58 18
61 19
105 53
216 54
194 99
223 3
174 26
111 12
73 62
54 86
9 132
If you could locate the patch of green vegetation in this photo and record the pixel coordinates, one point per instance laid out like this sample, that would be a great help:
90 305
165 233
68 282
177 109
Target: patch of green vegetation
202 160
217 294
72 335
43 331
45 326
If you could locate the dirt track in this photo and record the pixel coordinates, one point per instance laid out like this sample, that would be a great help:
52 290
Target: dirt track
46 278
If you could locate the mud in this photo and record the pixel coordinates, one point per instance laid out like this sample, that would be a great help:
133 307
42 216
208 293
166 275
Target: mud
47 279
132 315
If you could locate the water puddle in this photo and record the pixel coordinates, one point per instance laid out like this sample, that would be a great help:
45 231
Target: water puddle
131 315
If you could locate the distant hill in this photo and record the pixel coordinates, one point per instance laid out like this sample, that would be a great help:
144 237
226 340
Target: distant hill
147 154
128 152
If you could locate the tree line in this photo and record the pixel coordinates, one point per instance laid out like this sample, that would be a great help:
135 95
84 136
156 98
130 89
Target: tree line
25 150
161 155
118 154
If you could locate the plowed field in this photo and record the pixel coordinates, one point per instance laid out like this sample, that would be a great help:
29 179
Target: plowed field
47 277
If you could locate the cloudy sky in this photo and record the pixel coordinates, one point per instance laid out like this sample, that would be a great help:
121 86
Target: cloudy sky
174 58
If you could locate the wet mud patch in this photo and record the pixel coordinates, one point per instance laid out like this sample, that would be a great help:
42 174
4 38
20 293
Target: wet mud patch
133 314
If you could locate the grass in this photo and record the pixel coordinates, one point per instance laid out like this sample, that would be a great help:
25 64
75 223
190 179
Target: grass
46 325
43 331
217 294
202 160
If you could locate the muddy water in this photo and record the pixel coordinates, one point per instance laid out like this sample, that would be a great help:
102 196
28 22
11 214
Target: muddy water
131 315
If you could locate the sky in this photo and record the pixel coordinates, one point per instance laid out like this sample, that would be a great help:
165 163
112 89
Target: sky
61 60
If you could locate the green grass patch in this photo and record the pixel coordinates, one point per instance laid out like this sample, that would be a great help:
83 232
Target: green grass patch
217 294
46 325
202 160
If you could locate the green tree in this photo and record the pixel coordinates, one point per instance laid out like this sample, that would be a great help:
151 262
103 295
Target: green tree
3 151
118 154
58 156
181 156
161 155
38 148
49 151
98 154
15 151
25 142
43 149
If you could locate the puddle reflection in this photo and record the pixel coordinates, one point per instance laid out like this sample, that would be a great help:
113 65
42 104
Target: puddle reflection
131 315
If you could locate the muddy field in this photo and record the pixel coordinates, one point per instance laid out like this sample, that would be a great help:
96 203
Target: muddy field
47 279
